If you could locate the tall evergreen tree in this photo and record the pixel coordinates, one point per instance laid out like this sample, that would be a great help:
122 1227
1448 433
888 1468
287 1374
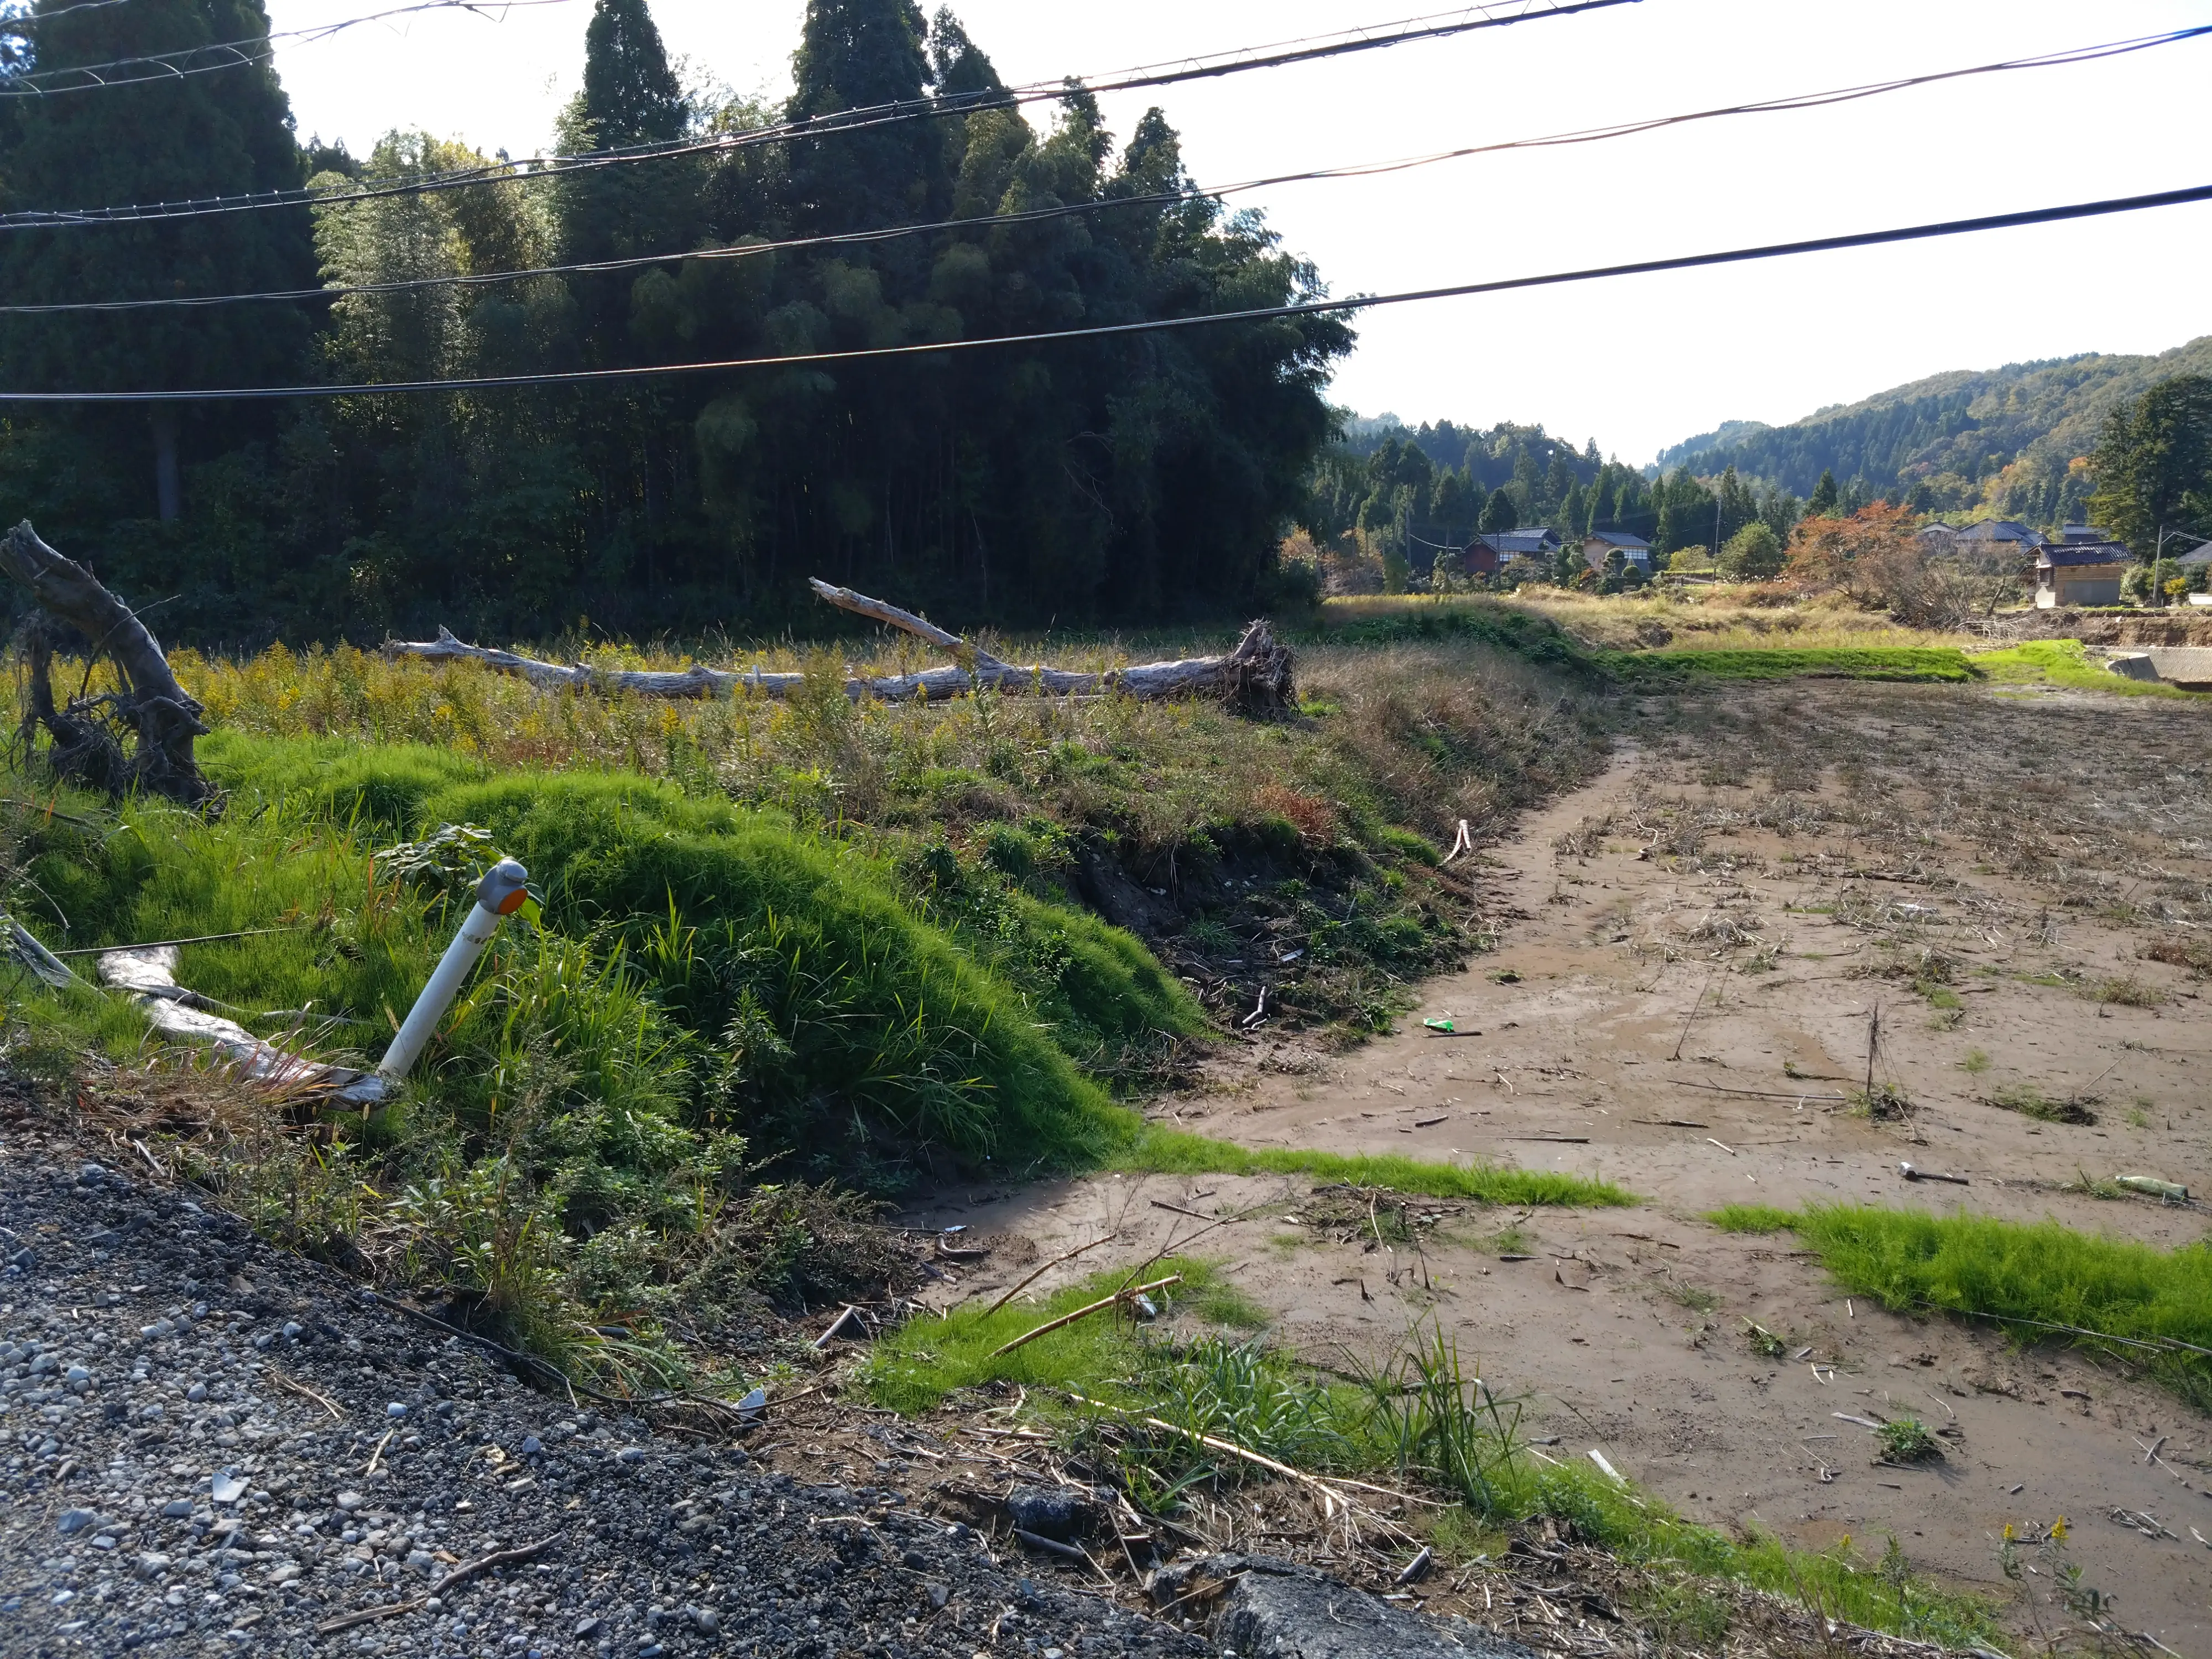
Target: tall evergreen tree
958 69
226 132
630 95
857 55
1825 499
1499 514
1738 505
2153 464
629 98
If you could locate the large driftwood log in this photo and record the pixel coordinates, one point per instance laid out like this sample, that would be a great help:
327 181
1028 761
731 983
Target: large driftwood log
163 719
1255 677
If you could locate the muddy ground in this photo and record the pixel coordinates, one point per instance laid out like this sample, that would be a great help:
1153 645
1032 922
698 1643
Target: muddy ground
1694 951
2178 626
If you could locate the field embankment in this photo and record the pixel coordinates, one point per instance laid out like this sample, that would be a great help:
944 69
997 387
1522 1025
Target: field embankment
804 941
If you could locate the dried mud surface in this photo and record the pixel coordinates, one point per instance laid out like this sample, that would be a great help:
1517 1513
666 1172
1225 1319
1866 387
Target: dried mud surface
1991 872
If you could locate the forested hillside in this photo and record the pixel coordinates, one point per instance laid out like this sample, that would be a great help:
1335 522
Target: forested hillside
2009 442
1122 479
1412 491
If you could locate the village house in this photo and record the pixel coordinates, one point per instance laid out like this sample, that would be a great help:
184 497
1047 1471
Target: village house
2191 564
2003 533
2079 573
1601 545
1487 553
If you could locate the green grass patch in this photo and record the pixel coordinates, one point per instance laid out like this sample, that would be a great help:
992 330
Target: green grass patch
1751 1219
1407 619
1878 1593
705 961
917 1366
717 995
2039 1275
1659 669
1421 1420
1160 1150
2062 663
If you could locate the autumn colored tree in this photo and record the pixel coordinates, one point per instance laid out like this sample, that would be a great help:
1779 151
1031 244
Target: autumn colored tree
1858 554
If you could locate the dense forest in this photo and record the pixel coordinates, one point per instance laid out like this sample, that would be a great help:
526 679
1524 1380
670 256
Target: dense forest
2014 442
1409 492
1119 479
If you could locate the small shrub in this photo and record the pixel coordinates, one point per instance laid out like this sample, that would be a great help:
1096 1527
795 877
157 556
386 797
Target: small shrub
2126 992
2030 1102
2192 950
1762 1341
1883 1103
1906 1440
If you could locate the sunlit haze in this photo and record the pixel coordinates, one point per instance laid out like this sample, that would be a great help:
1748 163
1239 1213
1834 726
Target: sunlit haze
1638 362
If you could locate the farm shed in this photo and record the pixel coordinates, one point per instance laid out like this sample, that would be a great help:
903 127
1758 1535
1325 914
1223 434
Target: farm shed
2084 573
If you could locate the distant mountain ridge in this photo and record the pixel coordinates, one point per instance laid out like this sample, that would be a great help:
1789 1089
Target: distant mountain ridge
1968 443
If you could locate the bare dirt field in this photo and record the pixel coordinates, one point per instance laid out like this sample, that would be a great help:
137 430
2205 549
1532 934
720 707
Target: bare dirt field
2011 892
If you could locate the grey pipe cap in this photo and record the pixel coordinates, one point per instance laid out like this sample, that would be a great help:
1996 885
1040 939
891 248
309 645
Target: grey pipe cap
502 889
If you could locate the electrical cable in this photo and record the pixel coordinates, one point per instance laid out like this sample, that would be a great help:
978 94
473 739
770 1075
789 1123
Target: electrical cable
239 54
1163 325
842 121
1031 215
25 20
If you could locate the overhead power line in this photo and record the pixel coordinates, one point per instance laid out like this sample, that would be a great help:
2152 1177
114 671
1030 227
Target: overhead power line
215 55
1498 15
1157 326
981 221
22 20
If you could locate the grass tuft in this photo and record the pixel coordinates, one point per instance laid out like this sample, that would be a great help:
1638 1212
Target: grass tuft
2152 1306
1651 670
1751 1219
1160 1150
917 1366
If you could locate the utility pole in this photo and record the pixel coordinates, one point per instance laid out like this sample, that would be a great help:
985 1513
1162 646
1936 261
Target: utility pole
2158 558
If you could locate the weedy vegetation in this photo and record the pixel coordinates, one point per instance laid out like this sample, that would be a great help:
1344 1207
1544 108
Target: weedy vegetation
795 956
1906 1440
1129 1398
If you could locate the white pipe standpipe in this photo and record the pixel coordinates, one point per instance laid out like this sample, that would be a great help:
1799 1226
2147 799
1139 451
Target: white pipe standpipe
500 893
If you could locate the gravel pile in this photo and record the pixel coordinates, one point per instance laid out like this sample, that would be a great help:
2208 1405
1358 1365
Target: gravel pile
207 1446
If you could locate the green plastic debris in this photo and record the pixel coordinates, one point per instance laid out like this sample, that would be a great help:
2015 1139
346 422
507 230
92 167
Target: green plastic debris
1444 1025
2155 1187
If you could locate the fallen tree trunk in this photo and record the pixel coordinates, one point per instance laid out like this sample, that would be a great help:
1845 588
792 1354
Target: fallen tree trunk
163 719
1255 677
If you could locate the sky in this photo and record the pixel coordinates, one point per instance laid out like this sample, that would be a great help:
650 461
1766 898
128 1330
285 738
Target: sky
1637 363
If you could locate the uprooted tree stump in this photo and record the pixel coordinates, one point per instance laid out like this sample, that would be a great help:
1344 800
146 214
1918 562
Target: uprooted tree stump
1253 678
157 714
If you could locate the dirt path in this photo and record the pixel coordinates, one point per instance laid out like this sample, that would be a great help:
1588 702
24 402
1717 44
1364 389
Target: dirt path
1784 865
